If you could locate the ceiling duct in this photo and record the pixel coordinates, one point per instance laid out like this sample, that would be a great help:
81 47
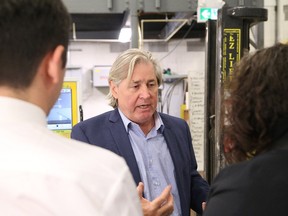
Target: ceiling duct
171 27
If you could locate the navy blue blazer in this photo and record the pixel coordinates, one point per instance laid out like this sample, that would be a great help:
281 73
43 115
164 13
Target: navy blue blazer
107 130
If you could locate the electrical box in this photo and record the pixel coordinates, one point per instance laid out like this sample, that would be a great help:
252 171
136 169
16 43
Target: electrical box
100 76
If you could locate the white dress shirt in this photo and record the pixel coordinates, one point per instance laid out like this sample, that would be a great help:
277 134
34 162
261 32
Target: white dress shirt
42 173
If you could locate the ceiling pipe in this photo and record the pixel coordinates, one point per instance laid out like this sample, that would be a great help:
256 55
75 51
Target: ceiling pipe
181 22
157 4
74 31
134 24
109 4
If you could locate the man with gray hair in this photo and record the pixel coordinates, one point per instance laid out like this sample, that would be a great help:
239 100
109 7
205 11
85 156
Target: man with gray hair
157 147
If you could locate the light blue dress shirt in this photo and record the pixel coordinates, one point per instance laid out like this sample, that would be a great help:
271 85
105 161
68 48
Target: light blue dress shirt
154 160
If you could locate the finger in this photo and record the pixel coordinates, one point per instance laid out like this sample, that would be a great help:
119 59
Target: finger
168 207
203 205
140 189
170 199
163 196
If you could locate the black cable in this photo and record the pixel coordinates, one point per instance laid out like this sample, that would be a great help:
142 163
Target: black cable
168 95
193 23
81 113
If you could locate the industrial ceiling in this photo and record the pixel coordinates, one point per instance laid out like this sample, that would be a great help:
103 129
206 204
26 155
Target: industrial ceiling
106 26
103 19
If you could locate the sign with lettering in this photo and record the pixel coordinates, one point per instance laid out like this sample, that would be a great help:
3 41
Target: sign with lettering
196 121
231 52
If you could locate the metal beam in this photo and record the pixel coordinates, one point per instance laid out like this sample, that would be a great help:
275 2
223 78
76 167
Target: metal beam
94 6
258 30
168 5
118 6
172 27
233 40
246 3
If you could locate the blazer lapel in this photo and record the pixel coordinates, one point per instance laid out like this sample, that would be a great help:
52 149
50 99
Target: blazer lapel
173 146
123 144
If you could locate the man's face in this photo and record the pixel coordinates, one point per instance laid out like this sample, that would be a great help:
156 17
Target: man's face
137 98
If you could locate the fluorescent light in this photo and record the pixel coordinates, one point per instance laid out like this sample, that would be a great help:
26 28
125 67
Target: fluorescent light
125 35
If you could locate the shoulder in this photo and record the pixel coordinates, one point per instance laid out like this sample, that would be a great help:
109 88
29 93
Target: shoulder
102 175
175 125
172 120
84 154
250 185
252 175
95 121
230 173
98 118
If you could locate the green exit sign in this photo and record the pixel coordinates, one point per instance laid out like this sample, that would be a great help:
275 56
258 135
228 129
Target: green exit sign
203 14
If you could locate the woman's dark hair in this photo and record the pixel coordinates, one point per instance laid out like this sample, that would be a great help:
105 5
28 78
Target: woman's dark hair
257 105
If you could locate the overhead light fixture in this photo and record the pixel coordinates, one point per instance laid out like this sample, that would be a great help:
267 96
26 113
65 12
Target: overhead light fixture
125 35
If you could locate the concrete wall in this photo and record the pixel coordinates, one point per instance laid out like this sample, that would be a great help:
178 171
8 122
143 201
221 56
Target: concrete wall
86 55
275 29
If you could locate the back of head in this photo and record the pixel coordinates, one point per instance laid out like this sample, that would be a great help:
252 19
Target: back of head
124 65
29 30
258 102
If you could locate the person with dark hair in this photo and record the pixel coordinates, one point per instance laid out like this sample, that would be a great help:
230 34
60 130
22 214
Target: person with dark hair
157 147
42 173
256 139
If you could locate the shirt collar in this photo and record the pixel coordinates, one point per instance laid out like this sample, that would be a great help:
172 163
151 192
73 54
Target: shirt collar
15 110
158 121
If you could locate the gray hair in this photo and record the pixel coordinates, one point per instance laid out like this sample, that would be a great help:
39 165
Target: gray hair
124 65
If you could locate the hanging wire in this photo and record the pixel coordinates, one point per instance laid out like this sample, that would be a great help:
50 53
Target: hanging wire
168 95
193 23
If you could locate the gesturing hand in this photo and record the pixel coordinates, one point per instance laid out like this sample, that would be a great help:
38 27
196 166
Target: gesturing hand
160 206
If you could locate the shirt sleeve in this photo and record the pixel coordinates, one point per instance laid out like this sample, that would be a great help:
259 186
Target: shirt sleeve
123 199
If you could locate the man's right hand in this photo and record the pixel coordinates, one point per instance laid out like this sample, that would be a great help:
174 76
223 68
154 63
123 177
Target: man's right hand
163 205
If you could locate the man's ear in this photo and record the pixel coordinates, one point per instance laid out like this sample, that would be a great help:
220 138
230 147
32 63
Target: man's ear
114 89
55 65
47 83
